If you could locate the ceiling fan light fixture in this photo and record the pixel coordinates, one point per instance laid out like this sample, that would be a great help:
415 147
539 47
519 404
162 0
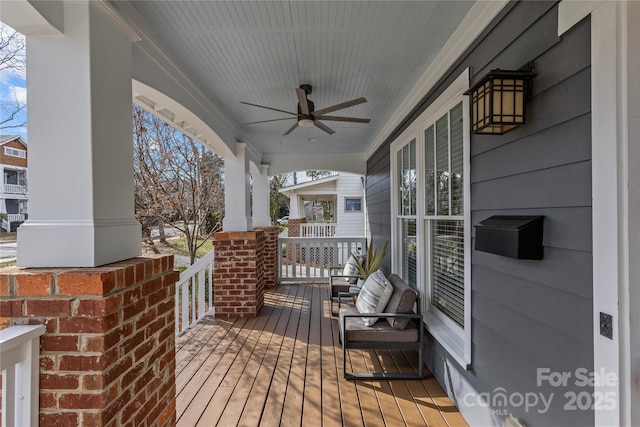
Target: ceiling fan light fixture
305 123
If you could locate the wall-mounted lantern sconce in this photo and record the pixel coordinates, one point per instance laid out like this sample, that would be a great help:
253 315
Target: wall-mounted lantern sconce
498 100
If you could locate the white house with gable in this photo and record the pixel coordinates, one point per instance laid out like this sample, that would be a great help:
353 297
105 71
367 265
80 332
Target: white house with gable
331 206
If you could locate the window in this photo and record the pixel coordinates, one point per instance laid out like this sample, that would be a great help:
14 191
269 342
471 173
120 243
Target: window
353 204
15 152
431 228
406 242
444 220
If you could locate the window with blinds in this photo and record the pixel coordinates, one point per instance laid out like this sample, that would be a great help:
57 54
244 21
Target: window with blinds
444 212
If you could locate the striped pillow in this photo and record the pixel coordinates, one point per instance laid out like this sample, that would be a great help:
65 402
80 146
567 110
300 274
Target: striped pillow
350 269
374 296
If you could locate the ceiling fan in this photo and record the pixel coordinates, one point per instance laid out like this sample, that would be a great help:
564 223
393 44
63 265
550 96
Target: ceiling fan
307 117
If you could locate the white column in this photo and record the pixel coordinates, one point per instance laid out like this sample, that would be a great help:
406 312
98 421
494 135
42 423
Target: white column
237 215
261 200
81 210
295 207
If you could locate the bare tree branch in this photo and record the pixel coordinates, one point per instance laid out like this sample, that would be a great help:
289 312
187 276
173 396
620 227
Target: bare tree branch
12 59
177 181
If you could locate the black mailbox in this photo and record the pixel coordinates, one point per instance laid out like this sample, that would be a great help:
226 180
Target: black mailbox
513 236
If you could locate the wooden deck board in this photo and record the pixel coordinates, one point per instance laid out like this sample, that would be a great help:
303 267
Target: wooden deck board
285 368
273 408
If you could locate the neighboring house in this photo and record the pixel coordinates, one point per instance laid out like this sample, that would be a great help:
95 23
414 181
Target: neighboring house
13 192
332 206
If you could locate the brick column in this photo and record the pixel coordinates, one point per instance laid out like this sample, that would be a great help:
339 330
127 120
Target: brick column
108 357
239 275
293 230
270 255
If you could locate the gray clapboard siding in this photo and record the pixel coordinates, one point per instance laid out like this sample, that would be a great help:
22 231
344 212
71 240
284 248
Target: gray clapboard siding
378 190
567 185
491 356
526 314
538 302
493 362
532 43
554 146
566 270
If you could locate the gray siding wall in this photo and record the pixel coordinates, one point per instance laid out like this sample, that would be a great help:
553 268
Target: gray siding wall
525 314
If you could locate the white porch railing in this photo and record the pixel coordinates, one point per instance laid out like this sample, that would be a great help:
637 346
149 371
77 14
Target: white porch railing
6 222
20 365
319 229
15 189
306 258
195 283
15 217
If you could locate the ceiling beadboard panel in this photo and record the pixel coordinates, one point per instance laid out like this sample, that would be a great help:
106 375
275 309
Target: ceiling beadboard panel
260 51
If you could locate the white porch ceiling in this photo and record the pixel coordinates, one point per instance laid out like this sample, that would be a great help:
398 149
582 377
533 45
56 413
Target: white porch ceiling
260 51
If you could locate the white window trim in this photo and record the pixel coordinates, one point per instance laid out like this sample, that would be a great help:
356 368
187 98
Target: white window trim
352 198
404 139
23 152
452 337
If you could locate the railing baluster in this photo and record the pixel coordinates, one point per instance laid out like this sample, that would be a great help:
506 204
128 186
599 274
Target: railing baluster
190 293
317 250
210 287
185 305
19 363
201 286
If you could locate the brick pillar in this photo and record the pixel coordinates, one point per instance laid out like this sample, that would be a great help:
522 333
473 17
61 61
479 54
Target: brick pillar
239 275
293 230
108 357
270 255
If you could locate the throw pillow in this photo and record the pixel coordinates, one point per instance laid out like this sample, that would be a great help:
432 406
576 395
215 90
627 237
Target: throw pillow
374 296
402 301
350 269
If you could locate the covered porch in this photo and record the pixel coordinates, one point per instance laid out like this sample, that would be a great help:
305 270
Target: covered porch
284 367
213 70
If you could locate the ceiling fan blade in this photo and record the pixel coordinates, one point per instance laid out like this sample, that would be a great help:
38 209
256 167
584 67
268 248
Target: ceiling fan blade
291 129
324 127
302 101
269 108
344 119
267 121
340 106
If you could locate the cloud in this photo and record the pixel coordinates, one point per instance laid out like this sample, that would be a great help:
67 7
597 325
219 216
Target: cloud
19 94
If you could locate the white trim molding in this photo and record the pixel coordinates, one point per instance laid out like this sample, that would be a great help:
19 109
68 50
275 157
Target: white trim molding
615 99
58 241
570 12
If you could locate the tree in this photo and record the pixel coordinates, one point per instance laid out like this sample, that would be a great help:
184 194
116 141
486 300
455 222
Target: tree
279 203
177 182
12 61
318 174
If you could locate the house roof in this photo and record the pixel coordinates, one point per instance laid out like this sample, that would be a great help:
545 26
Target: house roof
5 139
309 185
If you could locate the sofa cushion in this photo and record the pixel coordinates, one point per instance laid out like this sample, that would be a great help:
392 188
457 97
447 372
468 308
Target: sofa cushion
373 296
402 300
355 330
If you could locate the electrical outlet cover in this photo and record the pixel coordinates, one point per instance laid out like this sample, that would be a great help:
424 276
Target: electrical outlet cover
606 325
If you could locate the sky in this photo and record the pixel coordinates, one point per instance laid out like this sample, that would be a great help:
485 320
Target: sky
13 89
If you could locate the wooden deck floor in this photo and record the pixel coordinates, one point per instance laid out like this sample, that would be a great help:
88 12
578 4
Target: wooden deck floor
285 368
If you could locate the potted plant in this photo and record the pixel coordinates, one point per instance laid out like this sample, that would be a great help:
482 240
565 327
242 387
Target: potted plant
372 262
